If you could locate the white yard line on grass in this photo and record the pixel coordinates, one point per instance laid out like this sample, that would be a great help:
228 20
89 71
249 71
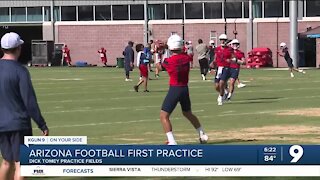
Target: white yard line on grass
113 123
86 109
252 113
154 120
214 93
106 123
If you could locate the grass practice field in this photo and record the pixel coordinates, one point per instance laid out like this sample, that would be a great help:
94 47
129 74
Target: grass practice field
96 102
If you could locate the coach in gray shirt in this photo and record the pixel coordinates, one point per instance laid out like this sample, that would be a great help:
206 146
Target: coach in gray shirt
202 51
18 104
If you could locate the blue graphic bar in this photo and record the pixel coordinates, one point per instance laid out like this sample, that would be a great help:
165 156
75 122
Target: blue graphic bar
170 155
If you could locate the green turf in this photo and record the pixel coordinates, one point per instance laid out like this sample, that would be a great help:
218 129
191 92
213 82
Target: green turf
98 103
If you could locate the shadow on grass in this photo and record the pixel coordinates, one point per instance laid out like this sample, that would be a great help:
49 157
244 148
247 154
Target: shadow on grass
264 98
254 102
227 141
158 91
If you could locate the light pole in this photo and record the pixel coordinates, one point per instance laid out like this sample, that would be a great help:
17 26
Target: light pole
53 21
225 18
294 32
146 23
183 18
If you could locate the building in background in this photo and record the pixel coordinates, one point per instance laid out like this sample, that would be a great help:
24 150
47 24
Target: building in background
87 25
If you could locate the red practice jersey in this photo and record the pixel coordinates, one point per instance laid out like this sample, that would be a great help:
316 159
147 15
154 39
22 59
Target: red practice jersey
222 54
178 67
239 55
66 52
102 53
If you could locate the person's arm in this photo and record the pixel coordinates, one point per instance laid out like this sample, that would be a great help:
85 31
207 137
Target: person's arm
207 50
30 101
281 53
160 66
212 65
240 61
132 55
138 59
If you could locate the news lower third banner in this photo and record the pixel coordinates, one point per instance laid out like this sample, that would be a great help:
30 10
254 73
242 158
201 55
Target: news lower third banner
72 156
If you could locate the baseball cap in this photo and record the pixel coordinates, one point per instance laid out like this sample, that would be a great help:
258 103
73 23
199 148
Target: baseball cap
11 40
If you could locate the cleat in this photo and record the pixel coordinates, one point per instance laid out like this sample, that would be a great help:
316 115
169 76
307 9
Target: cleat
203 139
203 77
170 143
292 75
136 88
241 85
229 97
146 91
128 80
220 101
225 97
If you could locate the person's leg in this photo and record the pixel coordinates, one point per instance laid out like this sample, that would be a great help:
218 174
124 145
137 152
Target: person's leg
206 66
127 74
17 175
192 118
203 138
234 74
191 62
298 70
231 87
222 86
6 169
187 112
167 127
8 151
145 83
169 104
127 71
136 87
217 87
240 85
202 69
291 72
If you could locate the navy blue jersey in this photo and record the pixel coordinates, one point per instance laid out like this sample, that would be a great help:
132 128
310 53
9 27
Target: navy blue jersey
18 102
143 59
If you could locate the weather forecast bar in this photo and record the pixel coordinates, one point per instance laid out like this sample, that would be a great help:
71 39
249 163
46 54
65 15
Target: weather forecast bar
64 157
170 155
166 170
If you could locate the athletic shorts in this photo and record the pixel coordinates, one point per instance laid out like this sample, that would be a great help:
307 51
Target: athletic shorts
144 71
67 60
177 94
234 73
104 60
10 144
289 62
223 73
